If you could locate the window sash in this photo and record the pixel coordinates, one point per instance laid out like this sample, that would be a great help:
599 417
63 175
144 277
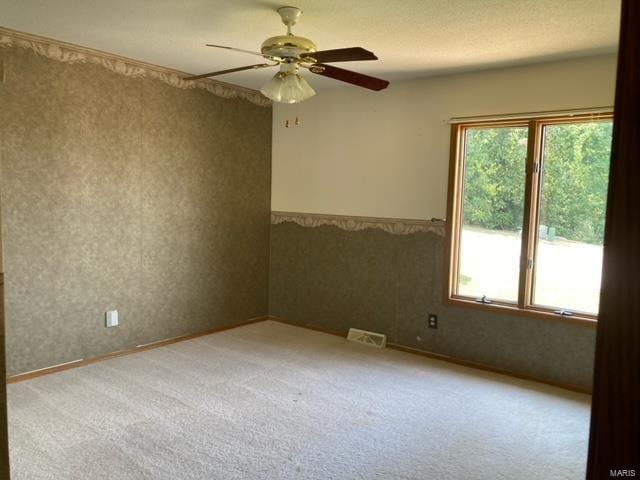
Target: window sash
529 245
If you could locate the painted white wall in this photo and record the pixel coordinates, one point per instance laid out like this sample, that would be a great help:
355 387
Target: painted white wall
386 154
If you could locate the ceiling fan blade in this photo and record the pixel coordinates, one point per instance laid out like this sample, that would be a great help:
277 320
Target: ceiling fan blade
352 54
250 52
348 76
231 70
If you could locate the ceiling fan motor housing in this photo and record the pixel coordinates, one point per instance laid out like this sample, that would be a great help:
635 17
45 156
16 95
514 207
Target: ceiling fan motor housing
287 46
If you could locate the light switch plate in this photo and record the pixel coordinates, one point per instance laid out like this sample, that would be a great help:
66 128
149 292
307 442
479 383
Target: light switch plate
111 318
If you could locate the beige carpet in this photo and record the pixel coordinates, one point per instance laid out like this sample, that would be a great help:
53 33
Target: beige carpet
272 401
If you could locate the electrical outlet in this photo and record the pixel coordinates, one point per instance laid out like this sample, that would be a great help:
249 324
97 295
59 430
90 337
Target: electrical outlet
433 320
111 318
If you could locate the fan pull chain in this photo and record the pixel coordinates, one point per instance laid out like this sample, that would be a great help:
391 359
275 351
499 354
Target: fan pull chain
297 122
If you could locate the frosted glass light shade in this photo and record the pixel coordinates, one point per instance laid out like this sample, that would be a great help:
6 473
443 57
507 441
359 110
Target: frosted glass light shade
287 87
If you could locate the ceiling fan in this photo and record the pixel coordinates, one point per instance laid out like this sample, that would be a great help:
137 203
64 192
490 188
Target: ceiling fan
292 53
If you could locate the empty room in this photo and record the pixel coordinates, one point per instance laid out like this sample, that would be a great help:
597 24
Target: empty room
319 240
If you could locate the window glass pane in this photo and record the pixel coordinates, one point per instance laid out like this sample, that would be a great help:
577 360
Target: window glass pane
575 177
492 212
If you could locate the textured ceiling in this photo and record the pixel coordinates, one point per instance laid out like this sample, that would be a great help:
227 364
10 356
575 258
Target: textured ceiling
412 38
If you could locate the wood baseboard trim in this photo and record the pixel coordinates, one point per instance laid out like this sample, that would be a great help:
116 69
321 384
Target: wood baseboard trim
449 359
120 353
488 368
306 326
424 353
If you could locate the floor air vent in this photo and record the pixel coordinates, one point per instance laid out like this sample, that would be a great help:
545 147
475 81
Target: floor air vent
378 340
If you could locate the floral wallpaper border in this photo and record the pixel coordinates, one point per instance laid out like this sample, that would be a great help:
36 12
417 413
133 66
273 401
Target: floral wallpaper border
396 226
70 53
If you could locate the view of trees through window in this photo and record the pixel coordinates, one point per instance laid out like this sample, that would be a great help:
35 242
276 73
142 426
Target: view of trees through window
573 201
492 212
571 213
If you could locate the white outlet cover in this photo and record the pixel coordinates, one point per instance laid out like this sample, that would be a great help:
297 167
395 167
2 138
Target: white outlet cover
111 318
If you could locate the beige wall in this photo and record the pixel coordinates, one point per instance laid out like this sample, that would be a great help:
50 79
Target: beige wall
126 193
386 154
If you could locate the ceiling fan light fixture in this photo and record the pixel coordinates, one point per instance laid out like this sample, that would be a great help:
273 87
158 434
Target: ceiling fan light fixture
287 86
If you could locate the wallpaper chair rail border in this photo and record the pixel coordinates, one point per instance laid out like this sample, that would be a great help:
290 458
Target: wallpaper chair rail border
70 53
396 226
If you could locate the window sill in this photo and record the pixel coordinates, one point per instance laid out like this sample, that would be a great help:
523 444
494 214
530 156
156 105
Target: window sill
530 312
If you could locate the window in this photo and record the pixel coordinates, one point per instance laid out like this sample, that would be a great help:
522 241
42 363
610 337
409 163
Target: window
526 212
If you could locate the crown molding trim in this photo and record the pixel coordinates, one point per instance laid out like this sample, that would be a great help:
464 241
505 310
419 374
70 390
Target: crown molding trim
70 53
396 226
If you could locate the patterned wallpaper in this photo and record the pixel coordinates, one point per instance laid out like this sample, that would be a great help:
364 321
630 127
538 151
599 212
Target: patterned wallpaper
336 278
126 193
74 54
